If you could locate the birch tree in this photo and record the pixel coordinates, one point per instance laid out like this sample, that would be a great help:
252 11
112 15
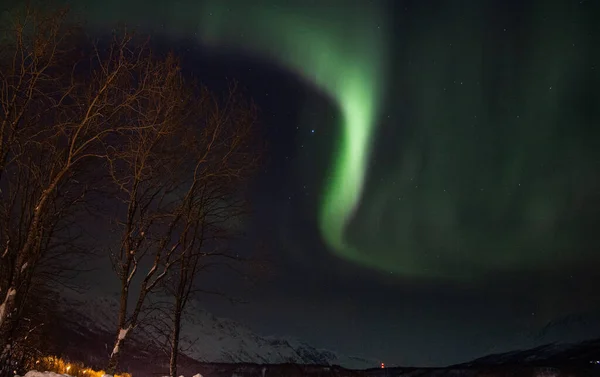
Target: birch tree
185 140
61 100
221 160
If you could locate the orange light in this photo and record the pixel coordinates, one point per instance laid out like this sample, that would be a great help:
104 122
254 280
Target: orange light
382 365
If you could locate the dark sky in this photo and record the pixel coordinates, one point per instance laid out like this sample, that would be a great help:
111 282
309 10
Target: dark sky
431 184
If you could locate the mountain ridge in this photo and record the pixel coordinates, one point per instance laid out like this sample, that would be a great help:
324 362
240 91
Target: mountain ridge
205 337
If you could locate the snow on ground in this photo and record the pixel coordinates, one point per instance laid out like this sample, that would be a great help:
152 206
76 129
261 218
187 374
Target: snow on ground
34 373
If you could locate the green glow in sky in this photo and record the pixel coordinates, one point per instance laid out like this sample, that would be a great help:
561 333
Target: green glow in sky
340 51
485 159
340 47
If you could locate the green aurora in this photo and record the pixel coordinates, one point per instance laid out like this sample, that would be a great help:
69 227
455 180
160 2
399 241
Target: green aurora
341 49
491 166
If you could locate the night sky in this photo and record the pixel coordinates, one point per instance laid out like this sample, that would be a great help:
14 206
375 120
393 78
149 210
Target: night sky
431 185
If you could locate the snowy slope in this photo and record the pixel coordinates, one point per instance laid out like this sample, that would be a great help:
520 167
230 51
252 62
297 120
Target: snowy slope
563 331
581 353
227 341
569 329
207 338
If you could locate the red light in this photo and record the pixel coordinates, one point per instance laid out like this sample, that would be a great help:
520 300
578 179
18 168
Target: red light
382 365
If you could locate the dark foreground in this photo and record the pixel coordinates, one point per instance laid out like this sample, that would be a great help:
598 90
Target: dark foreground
575 360
294 370
78 342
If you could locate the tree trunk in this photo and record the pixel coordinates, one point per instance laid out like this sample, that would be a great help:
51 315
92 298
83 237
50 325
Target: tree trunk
6 326
178 305
113 361
175 338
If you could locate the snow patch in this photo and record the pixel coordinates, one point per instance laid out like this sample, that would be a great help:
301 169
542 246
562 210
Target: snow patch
123 333
115 350
120 338
34 373
11 292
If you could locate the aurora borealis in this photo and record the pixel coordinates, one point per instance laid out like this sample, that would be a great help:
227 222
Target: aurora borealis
432 145
472 186
342 54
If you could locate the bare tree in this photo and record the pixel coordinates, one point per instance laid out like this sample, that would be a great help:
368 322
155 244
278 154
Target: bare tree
221 160
32 47
68 108
145 166
186 145
57 111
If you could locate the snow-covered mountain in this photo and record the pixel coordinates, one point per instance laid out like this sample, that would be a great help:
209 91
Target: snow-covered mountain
569 329
562 331
205 337
581 353
223 348
209 338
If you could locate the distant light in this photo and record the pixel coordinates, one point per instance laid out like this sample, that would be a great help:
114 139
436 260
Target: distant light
312 131
382 365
